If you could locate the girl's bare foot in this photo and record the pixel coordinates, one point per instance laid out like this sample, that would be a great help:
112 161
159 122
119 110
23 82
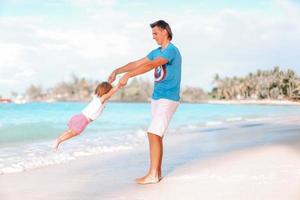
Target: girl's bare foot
148 179
56 144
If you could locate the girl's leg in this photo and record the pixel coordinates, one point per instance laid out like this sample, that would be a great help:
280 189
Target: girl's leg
63 137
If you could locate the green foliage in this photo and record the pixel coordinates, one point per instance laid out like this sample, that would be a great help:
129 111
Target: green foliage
264 84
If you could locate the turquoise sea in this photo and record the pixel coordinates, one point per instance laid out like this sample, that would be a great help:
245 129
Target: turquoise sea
27 130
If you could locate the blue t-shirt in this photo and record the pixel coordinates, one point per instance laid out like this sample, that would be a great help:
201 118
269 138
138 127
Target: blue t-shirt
168 76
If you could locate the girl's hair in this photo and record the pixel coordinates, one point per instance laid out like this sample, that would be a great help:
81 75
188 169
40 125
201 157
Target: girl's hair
163 25
103 88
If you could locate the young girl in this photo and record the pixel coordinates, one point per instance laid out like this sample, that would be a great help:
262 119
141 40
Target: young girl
90 113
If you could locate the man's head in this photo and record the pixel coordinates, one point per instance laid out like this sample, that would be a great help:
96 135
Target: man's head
161 30
103 88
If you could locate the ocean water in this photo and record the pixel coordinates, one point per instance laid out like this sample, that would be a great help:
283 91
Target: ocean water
27 131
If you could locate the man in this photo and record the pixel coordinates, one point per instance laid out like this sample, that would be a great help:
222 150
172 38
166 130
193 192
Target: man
166 61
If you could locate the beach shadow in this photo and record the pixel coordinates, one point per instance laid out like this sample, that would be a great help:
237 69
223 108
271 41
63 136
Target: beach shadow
289 129
233 139
251 125
213 129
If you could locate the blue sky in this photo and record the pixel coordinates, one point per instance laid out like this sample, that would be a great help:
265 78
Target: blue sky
69 9
44 43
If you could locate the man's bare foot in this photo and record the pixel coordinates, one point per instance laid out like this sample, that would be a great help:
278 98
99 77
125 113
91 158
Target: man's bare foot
159 176
148 179
56 144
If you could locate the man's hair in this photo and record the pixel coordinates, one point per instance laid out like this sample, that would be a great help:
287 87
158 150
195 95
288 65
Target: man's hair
103 88
163 25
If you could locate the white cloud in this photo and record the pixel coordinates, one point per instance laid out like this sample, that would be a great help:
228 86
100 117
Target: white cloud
102 3
9 52
15 71
53 55
233 42
229 42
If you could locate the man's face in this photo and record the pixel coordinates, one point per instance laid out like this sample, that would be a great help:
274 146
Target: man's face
158 34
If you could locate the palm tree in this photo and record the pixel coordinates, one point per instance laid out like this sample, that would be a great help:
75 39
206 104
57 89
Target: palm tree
264 84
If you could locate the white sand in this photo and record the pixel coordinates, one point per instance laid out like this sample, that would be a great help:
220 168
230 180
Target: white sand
235 163
258 102
260 173
263 173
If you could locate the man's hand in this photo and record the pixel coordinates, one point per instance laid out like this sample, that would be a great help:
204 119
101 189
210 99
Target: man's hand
123 81
112 77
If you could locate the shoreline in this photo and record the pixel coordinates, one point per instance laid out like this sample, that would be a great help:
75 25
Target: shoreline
225 102
244 160
254 102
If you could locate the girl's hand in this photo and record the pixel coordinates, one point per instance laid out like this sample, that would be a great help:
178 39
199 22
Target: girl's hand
112 77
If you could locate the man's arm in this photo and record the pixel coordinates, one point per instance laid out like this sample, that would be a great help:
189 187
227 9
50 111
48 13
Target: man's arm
132 65
127 68
143 69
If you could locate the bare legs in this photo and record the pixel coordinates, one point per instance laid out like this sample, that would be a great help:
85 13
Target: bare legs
63 137
156 153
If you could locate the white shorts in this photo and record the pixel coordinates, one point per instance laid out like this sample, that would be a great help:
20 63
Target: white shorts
162 111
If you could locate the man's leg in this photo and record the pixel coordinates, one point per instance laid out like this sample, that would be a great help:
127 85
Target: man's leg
156 153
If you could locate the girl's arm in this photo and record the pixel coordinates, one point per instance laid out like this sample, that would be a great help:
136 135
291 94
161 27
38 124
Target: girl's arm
107 96
143 69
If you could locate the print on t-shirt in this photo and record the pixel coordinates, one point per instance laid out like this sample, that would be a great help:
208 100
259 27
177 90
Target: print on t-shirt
160 73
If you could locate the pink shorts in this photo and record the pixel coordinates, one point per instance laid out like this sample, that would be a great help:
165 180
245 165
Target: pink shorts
78 123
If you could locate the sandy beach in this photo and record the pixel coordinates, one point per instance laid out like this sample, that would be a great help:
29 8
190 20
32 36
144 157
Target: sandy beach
253 160
255 102
271 172
199 98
